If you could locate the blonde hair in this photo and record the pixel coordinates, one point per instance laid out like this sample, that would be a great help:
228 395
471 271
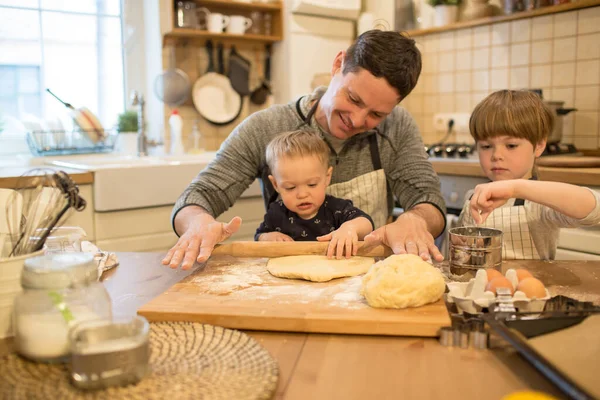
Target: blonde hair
516 113
299 143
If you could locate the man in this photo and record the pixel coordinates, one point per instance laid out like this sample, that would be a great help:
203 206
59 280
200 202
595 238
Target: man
377 153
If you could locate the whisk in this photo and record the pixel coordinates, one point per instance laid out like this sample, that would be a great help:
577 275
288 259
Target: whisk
46 197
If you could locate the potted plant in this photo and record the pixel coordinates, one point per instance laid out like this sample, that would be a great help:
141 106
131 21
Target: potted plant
446 11
127 127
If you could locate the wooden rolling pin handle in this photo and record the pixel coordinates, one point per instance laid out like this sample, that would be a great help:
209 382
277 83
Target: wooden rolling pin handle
282 249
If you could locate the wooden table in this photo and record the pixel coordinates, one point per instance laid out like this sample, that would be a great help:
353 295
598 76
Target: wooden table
322 366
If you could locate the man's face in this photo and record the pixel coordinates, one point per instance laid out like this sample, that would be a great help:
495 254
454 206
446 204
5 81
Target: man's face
354 102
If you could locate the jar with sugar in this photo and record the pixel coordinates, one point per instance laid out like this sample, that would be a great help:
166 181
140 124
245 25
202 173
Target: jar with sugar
59 291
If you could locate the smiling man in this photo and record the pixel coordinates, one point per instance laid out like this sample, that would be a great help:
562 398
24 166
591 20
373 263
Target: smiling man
376 153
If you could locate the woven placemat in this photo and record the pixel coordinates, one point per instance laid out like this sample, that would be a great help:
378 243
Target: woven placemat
188 361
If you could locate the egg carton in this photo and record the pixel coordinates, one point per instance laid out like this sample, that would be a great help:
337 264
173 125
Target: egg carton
471 297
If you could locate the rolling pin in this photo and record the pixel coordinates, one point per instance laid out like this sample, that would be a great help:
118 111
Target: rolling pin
282 249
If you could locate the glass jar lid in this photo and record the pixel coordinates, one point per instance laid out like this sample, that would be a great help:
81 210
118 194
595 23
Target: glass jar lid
59 271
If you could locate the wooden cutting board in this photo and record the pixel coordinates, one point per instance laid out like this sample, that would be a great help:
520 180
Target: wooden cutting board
568 161
236 291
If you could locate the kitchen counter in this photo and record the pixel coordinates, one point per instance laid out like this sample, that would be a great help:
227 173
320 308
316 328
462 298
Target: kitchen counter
10 176
330 366
576 176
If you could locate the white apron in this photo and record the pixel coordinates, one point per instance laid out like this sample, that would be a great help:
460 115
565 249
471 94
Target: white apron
368 192
517 243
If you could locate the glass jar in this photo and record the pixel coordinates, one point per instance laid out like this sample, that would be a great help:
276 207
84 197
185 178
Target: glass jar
59 290
109 353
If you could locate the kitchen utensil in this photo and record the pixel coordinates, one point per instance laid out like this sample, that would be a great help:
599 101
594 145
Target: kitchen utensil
85 120
259 95
46 197
172 87
560 112
472 248
213 95
239 293
239 72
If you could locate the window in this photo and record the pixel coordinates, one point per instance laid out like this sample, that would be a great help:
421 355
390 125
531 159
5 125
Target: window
72 47
20 90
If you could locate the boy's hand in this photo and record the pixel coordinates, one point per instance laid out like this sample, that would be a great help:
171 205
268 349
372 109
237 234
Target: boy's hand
489 196
274 237
345 237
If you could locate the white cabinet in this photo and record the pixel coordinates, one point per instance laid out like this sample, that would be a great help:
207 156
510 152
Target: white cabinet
311 45
149 229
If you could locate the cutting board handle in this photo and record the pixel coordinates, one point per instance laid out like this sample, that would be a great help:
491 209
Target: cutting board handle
282 249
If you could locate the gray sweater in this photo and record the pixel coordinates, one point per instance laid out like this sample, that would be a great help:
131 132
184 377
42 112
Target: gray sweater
241 159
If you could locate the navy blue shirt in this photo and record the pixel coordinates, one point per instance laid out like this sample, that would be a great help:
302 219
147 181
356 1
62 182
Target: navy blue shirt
331 215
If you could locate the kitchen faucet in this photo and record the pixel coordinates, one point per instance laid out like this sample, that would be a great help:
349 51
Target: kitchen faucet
142 139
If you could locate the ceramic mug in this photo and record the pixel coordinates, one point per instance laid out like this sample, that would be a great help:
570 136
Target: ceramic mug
238 24
214 22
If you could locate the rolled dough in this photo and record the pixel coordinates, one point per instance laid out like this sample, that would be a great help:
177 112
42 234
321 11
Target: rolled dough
318 268
402 281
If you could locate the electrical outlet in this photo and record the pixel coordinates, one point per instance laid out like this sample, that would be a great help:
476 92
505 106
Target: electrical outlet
460 127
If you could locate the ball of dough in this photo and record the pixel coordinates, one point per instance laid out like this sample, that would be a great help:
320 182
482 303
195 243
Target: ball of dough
402 281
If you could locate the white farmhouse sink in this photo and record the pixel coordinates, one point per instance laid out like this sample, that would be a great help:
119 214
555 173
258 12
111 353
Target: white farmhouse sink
123 182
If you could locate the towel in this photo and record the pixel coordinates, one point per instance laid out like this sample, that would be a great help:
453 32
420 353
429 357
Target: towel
106 260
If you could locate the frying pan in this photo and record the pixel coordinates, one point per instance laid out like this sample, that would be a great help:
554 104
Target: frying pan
260 94
213 96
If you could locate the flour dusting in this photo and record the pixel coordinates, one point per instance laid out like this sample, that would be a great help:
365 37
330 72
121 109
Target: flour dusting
247 279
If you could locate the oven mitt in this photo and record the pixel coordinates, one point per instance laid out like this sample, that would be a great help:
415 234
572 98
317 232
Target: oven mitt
239 72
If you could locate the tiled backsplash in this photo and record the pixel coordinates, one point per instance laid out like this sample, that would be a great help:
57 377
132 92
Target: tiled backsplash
194 62
558 53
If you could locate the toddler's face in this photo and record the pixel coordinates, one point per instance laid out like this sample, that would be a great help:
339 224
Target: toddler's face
301 182
507 157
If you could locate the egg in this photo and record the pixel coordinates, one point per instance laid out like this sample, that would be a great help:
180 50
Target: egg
533 288
499 282
522 274
492 273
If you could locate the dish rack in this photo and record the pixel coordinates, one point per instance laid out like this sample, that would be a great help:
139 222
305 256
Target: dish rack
63 142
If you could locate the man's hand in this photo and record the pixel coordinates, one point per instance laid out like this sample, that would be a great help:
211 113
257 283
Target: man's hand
274 237
202 233
409 234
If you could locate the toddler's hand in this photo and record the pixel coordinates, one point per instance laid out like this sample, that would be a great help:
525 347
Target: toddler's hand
274 237
340 239
489 196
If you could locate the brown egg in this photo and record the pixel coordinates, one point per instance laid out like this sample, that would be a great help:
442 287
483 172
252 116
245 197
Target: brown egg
522 274
499 282
533 288
492 273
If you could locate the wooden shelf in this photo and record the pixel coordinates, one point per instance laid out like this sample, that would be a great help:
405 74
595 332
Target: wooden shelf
200 37
502 18
238 5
